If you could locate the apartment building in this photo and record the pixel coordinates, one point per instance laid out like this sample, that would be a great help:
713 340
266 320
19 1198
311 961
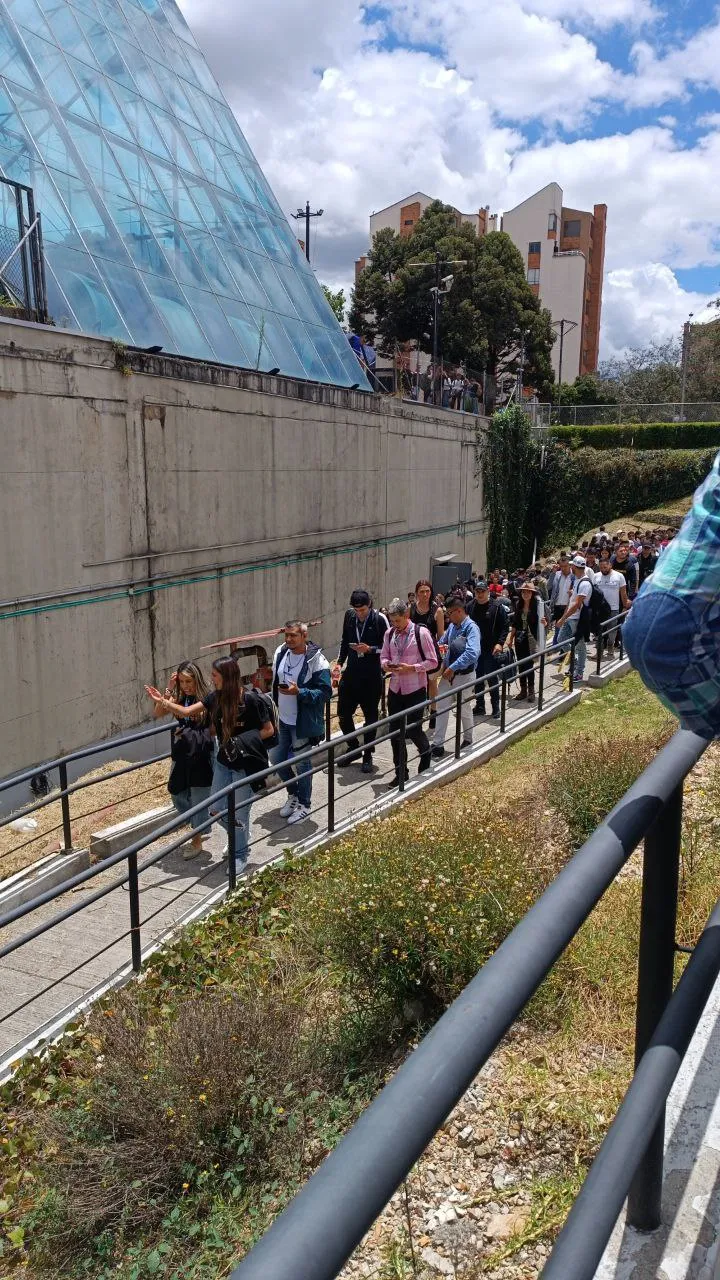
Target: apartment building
564 254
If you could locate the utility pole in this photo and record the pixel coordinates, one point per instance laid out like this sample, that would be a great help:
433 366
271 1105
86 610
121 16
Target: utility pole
565 326
521 369
685 361
439 292
307 215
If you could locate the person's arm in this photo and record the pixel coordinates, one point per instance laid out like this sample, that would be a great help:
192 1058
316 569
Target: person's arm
467 660
440 621
319 688
502 630
624 600
510 640
344 643
167 704
385 655
573 604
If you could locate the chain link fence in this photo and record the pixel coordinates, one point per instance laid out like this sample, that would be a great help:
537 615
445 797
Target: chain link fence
601 415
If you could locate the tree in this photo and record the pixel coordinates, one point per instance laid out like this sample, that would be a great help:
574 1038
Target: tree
337 302
586 389
645 375
484 317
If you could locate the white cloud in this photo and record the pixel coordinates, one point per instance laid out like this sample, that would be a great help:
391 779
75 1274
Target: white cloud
646 303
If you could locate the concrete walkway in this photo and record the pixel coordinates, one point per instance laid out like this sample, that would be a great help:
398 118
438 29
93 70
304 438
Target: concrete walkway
42 982
687 1246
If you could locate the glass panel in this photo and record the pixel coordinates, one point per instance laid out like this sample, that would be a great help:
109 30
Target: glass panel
111 15
187 337
54 146
90 220
55 76
210 166
178 23
140 178
276 347
138 238
106 51
176 249
176 193
302 339
142 75
143 126
175 142
57 227
203 197
334 360
66 32
238 215
278 296
58 306
13 60
102 101
224 342
27 14
247 282
179 102
86 292
208 255
237 175
133 301
245 330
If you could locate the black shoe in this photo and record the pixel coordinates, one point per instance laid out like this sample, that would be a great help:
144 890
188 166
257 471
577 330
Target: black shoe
367 766
350 757
495 715
466 742
520 697
432 721
425 762
479 709
395 782
437 752
531 697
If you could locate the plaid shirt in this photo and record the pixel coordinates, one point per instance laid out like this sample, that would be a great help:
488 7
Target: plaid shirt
673 633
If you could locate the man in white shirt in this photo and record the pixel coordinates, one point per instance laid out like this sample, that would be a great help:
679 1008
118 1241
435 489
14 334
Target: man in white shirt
560 592
575 621
612 585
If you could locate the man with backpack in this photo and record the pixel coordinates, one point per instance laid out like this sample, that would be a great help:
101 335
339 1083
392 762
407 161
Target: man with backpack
575 620
408 654
493 624
301 688
461 646
361 682
611 586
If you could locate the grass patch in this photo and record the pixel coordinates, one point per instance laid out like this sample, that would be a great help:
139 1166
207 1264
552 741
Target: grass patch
164 1134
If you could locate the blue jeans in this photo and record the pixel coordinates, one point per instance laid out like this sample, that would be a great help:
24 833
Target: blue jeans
289 744
185 800
222 777
567 632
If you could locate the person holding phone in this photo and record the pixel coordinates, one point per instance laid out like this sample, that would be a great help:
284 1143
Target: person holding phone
408 653
360 684
301 688
191 749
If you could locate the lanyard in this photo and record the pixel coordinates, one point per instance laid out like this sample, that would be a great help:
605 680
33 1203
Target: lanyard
358 632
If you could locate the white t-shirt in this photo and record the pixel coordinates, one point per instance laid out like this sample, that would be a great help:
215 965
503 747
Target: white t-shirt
288 671
610 584
564 589
583 587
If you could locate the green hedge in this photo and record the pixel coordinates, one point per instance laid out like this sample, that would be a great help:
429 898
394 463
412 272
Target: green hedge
653 435
589 486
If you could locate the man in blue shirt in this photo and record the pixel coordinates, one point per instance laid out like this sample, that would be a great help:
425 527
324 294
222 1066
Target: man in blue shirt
672 635
461 644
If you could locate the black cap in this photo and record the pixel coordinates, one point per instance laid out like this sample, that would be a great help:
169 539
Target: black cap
481 585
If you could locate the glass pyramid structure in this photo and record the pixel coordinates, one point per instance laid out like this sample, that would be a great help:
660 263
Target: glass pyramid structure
159 226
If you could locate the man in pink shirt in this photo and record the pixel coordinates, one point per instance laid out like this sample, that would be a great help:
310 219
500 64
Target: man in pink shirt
408 653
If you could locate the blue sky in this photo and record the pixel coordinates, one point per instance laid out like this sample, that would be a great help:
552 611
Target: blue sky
478 102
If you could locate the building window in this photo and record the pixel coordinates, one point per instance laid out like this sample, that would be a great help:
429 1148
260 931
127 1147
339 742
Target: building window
571 228
533 275
409 222
534 246
552 222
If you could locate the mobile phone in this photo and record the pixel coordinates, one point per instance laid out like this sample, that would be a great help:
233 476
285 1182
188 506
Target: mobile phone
283 687
354 646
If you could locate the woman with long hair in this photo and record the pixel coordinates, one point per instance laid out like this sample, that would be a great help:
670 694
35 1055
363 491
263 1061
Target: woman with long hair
524 635
191 750
242 725
431 615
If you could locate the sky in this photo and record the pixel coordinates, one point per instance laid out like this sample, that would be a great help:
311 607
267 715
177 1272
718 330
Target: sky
482 102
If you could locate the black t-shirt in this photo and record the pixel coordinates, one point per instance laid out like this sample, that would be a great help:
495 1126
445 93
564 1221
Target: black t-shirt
252 713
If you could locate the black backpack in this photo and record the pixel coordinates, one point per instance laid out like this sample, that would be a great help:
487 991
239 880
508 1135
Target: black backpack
599 610
267 700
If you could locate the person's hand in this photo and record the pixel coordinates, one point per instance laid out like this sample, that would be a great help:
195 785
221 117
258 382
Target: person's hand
448 675
498 649
154 693
405 668
543 620
291 690
361 647
336 673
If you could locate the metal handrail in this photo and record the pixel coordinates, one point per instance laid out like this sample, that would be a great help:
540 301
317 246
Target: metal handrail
318 1231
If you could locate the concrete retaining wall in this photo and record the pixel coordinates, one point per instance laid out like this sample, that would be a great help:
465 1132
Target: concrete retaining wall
151 505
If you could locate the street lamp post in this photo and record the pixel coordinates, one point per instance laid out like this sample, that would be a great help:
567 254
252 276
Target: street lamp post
565 326
307 214
438 293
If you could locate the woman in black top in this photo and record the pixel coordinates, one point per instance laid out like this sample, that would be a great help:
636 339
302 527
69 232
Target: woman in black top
242 724
191 750
524 635
432 616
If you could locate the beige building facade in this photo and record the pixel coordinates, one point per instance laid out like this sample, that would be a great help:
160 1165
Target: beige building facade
564 254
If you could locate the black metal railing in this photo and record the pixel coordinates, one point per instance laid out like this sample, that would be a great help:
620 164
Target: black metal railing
319 1230
22 258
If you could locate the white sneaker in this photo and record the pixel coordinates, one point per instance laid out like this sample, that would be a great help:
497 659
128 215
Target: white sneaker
299 814
289 806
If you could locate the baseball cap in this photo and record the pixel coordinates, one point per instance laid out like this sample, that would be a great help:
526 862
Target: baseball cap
578 561
481 585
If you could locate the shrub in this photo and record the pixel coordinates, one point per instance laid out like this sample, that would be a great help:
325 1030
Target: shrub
655 435
592 486
414 912
586 788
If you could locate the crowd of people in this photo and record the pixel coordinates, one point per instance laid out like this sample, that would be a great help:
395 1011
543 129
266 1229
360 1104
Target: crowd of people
426 645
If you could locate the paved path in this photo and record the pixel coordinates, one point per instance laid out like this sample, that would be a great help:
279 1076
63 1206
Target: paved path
43 978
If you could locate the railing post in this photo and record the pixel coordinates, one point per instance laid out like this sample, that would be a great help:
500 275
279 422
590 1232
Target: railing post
600 646
503 701
134 894
458 723
541 682
65 807
328 731
331 790
571 668
232 869
622 647
656 963
402 752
